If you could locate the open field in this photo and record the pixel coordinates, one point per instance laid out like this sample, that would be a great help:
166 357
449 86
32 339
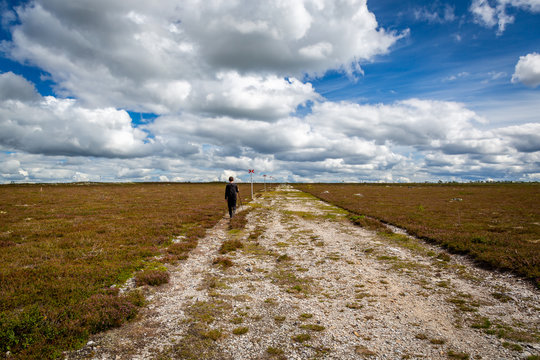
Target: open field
65 248
497 224
292 278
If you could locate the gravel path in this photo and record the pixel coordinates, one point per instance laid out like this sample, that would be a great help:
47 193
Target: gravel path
309 284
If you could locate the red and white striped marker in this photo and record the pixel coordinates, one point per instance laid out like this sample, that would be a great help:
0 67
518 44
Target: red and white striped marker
251 172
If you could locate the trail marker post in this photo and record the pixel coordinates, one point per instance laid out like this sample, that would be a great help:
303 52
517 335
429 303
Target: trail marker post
251 172
264 176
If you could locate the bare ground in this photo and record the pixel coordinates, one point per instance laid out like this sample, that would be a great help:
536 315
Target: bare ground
309 284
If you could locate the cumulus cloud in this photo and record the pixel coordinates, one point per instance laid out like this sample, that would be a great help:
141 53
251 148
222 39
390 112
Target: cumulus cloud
524 138
421 123
151 57
494 12
225 80
56 126
528 70
251 96
14 87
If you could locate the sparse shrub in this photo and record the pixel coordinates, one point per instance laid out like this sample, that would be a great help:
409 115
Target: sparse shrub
512 346
437 341
501 297
152 277
230 245
443 257
479 240
240 330
22 330
483 323
312 327
301 338
274 351
283 257
223 261
239 221
214 334
367 222
237 320
103 311
181 249
458 355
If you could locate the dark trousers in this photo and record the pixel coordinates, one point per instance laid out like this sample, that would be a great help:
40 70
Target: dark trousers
232 207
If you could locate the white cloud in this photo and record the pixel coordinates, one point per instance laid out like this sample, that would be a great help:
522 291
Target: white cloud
151 57
528 70
493 12
14 87
435 14
55 126
250 96
524 138
415 122
225 80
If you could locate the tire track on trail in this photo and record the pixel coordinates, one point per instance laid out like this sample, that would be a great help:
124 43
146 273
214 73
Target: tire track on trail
306 283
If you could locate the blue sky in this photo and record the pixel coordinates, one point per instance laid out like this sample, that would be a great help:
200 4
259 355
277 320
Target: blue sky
393 91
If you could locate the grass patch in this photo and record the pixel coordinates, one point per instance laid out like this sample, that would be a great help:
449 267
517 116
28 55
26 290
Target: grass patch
312 327
305 316
463 302
237 320
512 346
197 344
437 341
457 355
300 338
483 323
206 312
240 330
291 282
152 277
214 334
230 246
273 351
354 305
283 258
367 222
239 221
502 297
223 261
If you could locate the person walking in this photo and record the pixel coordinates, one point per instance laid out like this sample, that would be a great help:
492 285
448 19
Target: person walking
231 191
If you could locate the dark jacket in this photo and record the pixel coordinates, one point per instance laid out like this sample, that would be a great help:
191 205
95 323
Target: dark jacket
230 192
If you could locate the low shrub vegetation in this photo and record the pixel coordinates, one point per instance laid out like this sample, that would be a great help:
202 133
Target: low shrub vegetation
153 277
230 245
496 224
64 249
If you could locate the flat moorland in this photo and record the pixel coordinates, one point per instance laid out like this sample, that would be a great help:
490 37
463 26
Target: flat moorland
64 249
496 224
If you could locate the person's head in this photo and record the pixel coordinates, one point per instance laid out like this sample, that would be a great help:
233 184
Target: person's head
231 179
